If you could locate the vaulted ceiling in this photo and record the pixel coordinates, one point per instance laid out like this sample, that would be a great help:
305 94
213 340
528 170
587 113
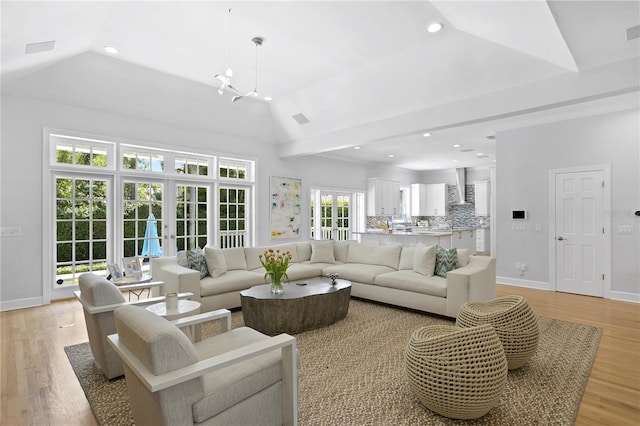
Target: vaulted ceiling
364 74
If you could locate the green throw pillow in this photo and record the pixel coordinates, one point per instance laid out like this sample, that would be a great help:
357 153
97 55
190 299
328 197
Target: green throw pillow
196 260
446 260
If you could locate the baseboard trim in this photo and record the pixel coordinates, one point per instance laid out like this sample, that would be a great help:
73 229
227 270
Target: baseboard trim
538 285
11 305
624 296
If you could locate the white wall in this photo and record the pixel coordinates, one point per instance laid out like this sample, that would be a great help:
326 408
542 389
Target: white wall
524 158
23 120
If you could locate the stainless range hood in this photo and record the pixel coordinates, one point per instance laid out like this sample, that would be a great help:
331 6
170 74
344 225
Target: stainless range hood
461 182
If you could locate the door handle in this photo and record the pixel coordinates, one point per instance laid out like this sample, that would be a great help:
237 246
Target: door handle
561 238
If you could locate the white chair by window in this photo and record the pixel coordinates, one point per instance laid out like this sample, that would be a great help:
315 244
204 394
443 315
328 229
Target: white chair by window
237 377
99 298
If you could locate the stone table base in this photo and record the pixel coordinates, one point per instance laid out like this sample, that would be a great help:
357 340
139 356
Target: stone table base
300 308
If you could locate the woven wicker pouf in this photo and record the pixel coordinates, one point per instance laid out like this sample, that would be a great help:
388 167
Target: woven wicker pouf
456 372
514 321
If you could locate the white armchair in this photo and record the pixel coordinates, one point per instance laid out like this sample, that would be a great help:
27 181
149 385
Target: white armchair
99 298
238 377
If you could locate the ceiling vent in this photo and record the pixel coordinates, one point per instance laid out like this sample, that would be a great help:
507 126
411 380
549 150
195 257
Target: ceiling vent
43 46
300 118
466 150
633 32
491 137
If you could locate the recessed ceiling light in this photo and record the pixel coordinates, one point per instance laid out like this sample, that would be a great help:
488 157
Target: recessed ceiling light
479 154
435 27
426 135
391 155
356 147
111 49
268 98
456 145
455 161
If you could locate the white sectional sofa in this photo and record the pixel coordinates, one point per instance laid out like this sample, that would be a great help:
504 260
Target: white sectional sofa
392 274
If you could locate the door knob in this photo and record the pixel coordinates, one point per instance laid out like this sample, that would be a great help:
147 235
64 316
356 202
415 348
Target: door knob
561 238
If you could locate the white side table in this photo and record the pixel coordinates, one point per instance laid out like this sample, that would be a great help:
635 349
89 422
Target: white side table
185 308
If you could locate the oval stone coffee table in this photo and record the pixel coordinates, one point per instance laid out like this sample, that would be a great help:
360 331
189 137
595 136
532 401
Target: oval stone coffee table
300 308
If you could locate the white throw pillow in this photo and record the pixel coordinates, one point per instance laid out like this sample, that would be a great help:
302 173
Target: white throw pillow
322 252
424 260
406 258
463 257
341 250
234 258
215 261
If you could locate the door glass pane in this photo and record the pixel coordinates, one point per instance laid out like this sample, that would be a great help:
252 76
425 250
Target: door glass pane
232 206
191 216
142 220
80 227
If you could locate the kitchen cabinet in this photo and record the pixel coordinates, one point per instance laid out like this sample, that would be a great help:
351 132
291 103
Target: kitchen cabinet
437 199
418 199
482 191
383 197
464 239
482 240
429 199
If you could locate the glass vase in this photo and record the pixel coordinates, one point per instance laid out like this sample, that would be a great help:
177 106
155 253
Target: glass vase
276 284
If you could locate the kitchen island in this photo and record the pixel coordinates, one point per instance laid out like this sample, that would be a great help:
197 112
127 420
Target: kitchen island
458 237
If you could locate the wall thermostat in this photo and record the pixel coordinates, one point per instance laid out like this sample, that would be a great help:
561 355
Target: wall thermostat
519 214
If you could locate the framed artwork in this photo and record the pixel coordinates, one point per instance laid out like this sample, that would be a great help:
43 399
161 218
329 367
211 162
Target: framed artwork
115 272
285 207
132 268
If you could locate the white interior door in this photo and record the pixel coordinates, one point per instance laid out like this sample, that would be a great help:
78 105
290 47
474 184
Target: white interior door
579 232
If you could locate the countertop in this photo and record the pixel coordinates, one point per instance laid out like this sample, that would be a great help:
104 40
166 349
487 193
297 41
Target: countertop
420 231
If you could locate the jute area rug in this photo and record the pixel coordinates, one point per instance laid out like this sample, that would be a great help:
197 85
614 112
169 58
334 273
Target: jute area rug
352 373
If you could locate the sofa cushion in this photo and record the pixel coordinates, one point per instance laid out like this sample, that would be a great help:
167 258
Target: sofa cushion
197 262
446 260
370 254
322 252
406 258
303 271
252 257
235 280
341 250
234 258
357 272
414 282
215 261
424 260
304 251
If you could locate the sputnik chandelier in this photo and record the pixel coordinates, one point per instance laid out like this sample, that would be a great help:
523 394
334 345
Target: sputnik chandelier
225 79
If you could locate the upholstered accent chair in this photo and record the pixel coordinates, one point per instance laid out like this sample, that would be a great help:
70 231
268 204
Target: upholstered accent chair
237 377
99 298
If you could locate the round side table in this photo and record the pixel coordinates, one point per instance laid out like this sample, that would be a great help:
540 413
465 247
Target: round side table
185 308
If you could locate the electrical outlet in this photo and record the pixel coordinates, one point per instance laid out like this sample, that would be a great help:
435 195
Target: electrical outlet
625 229
11 231
518 227
523 267
518 266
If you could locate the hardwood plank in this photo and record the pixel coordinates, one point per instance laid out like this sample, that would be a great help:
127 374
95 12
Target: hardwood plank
38 385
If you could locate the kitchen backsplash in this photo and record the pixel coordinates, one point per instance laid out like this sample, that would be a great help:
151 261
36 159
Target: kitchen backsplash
460 215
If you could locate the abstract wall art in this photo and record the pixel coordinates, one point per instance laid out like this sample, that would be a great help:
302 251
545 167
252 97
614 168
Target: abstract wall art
285 207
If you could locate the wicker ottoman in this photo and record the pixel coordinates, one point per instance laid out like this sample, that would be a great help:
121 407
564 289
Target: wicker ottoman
456 372
514 321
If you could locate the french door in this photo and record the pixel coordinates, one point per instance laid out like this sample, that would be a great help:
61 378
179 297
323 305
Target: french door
164 217
331 215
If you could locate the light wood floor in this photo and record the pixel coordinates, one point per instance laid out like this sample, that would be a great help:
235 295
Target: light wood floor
39 387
